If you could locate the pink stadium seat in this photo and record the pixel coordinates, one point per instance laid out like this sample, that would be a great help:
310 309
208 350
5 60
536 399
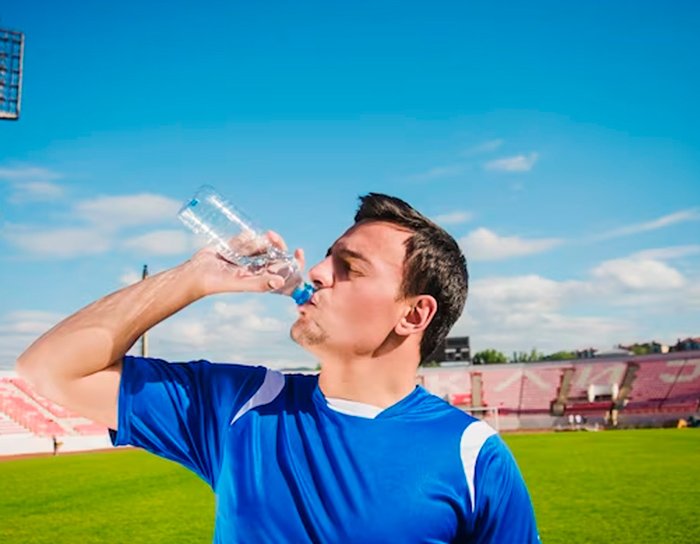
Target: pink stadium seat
21 409
15 404
501 388
540 386
652 385
55 409
685 391
444 382
9 426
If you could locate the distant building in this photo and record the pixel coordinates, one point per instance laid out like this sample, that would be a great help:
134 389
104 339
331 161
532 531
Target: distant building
646 347
616 351
454 349
587 353
688 344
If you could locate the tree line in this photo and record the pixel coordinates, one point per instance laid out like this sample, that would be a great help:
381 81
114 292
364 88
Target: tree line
492 356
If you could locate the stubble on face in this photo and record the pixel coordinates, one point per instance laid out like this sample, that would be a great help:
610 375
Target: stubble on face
306 333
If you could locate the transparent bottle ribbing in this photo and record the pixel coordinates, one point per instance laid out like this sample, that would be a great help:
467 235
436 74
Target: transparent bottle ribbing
236 239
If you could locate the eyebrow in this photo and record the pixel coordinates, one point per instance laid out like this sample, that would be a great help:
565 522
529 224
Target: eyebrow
348 254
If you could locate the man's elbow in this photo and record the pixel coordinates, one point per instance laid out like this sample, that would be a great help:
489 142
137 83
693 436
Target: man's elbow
30 368
24 367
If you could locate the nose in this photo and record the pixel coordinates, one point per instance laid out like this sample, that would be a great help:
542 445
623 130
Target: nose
321 274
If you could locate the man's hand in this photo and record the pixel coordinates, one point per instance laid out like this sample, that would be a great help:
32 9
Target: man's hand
212 273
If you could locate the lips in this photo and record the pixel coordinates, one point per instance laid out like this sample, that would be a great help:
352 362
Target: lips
303 307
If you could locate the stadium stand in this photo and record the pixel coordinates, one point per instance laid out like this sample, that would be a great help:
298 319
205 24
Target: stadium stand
544 394
592 377
10 427
500 387
52 407
649 389
37 415
684 391
540 386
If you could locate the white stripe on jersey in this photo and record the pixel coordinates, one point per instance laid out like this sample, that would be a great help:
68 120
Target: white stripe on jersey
271 387
473 439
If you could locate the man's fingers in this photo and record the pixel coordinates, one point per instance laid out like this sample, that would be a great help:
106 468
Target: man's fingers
276 240
300 258
275 282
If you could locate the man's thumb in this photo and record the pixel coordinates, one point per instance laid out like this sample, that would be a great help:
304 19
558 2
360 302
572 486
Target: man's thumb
275 282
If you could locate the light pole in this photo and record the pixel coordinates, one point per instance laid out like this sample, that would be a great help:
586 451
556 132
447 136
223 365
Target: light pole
144 339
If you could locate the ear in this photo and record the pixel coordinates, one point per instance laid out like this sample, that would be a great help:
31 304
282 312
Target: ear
418 315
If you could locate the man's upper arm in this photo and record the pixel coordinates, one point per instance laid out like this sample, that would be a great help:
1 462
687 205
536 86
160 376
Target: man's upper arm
182 411
503 511
94 396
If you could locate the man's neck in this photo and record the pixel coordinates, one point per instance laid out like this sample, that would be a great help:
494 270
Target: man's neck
377 381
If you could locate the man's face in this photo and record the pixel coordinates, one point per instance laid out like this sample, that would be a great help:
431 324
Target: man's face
357 303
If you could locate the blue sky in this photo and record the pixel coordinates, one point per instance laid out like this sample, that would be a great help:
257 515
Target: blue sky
556 141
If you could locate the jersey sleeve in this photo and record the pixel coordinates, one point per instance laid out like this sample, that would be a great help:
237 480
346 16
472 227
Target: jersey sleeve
503 510
181 411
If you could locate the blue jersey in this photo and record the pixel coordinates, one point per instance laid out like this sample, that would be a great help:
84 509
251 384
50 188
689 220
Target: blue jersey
286 467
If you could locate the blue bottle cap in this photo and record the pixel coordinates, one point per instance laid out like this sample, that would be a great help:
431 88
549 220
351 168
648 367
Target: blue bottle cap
303 293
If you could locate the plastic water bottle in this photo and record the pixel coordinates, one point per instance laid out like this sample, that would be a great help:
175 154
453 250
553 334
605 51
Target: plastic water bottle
238 241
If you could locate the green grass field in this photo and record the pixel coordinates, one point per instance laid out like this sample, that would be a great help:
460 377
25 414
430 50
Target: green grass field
622 487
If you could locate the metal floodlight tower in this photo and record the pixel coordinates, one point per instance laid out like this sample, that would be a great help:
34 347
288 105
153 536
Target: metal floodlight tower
11 53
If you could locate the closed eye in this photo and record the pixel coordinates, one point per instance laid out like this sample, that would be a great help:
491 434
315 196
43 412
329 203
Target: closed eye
345 260
346 268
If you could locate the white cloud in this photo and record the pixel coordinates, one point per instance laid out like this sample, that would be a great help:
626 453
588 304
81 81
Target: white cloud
453 218
32 322
485 245
229 310
19 329
630 297
484 147
667 253
531 293
114 212
36 191
28 173
30 184
161 242
517 163
522 312
682 216
188 332
248 316
257 323
224 331
105 217
57 243
549 333
639 274
129 277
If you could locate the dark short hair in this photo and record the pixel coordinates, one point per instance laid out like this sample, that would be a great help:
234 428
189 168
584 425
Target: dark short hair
434 264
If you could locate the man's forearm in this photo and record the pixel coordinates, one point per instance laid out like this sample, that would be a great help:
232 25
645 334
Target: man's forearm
100 334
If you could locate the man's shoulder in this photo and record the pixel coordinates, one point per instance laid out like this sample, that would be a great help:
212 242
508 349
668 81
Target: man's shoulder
210 378
438 408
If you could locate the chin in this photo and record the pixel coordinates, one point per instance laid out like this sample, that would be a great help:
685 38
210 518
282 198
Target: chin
307 334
